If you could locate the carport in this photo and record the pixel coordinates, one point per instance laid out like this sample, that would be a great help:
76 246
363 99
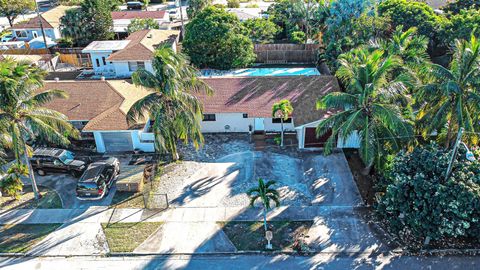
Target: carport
115 141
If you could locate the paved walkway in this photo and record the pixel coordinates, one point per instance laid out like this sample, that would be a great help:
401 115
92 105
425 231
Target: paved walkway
197 214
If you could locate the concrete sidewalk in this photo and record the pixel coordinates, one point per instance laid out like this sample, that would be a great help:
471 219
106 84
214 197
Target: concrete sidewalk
197 214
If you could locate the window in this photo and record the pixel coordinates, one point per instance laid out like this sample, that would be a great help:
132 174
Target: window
278 120
209 117
98 62
35 34
21 34
134 66
245 115
104 62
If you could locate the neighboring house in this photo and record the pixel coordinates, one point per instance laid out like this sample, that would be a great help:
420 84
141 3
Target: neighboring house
244 14
121 19
237 105
28 30
120 58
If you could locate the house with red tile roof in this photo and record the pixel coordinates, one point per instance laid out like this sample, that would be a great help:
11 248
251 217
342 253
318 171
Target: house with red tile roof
121 19
238 105
120 58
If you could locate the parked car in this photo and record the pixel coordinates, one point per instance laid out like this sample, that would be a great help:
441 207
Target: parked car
56 160
98 178
7 38
134 5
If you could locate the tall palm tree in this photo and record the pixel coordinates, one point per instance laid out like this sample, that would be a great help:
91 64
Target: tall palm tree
367 107
282 109
22 114
265 193
175 110
452 100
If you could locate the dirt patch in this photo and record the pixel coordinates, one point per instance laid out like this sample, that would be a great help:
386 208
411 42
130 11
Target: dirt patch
365 183
249 236
216 146
49 200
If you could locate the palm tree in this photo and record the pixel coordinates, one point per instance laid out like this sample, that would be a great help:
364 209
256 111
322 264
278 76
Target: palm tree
452 101
282 109
265 193
367 107
22 115
175 110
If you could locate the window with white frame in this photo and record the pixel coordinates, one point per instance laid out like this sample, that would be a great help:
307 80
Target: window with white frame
21 33
134 66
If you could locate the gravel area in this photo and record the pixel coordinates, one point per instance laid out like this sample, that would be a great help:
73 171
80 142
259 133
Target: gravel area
220 173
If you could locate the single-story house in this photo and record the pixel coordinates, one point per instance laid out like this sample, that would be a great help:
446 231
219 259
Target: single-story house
237 105
120 58
122 19
28 30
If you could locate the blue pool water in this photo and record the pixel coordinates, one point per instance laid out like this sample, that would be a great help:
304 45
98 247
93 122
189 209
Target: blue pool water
250 72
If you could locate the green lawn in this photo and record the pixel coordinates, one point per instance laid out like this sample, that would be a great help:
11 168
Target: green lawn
125 237
123 199
49 200
250 235
21 237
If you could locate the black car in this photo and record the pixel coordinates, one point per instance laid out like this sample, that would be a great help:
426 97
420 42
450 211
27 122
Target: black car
134 5
56 160
97 179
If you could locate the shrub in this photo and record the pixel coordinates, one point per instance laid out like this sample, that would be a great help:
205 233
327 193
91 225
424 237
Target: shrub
12 184
297 37
418 202
233 3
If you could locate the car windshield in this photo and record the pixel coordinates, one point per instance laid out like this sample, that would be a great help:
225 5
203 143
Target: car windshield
66 157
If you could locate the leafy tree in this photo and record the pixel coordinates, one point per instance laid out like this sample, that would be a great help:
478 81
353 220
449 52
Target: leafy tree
141 24
196 6
298 37
22 113
418 202
462 24
456 7
92 21
265 193
452 99
214 39
339 34
260 30
233 3
11 9
414 14
367 106
283 110
172 106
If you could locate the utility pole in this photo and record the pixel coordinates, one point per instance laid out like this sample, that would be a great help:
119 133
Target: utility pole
43 32
454 154
307 22
181 18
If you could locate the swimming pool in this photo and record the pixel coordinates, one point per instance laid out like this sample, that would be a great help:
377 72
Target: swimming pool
251 72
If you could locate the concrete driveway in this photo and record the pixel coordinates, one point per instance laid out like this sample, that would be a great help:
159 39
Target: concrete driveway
302 179
64 185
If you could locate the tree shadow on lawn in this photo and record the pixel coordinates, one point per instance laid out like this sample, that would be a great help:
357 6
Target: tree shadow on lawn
50 200
21 238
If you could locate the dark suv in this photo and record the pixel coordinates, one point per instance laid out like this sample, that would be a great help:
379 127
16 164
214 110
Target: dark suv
97 179
56 160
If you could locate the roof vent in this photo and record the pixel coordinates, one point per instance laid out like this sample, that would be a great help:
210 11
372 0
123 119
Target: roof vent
57 79
149 36
102 78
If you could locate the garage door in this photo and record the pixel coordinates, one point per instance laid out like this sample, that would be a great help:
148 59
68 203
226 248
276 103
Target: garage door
117 141
311 139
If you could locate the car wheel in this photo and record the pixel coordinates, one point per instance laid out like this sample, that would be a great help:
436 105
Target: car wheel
41 172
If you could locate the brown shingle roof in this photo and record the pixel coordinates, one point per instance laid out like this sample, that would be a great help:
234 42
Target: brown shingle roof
256 95
50 19
142 44
104 104
127 15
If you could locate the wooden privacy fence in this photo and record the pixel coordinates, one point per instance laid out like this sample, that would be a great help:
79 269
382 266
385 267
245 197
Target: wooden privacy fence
25 51
73 56
286 53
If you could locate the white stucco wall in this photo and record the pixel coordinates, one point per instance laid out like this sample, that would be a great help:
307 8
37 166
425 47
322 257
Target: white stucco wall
108 68
235 120
143 141
54 34
122 70
269 126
